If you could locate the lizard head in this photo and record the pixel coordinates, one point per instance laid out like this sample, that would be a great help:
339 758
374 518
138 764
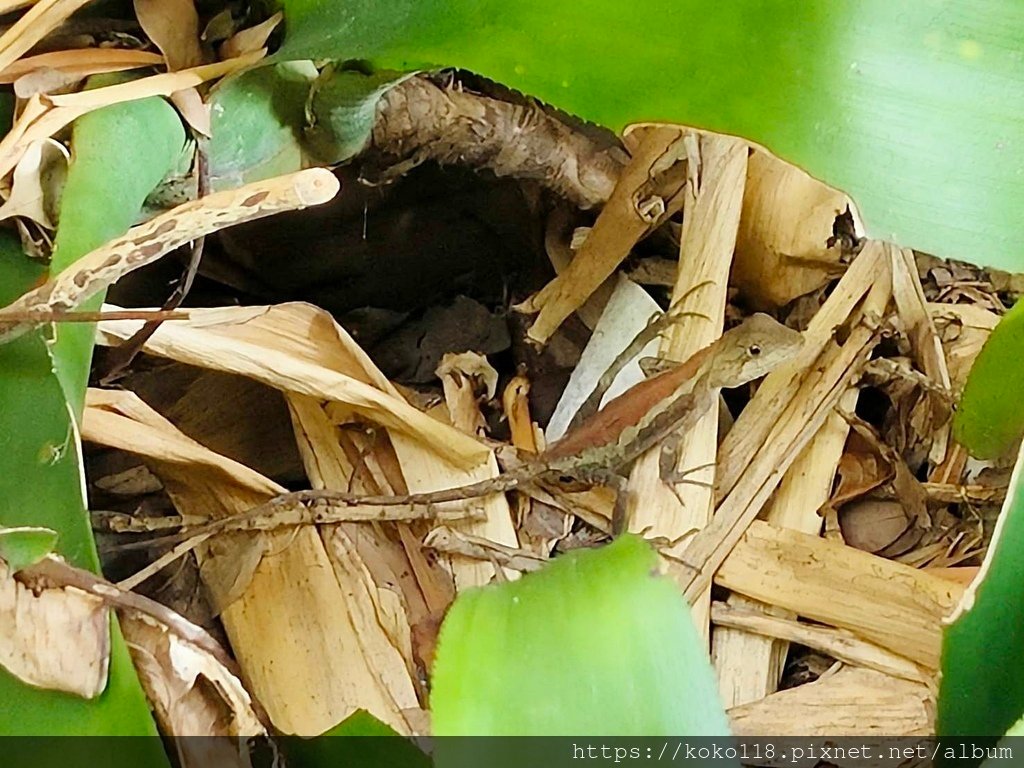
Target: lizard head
752 349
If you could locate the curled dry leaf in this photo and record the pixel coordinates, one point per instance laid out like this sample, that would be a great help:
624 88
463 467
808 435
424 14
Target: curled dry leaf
191 691
460 376
38 183
54 638
471 365
516 405
781 247
251 39
283 346
192 107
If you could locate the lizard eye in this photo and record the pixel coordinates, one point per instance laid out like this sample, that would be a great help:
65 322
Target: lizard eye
754 350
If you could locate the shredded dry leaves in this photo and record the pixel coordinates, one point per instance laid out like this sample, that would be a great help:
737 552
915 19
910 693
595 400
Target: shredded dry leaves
327 619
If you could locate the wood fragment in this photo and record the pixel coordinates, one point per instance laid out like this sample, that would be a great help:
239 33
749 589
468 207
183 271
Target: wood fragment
853 701
621 223
893 605
749 667
841 644
706 247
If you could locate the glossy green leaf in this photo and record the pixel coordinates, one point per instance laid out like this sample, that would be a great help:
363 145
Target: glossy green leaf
257 123
23 546
982 686
913 108
119 155
41 484
989 417
593 644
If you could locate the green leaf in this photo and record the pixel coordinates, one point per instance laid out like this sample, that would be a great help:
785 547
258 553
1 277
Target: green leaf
342 110
119 155
989 418
26 545
982 686
911 108
593 644
359 740
41 485
257 122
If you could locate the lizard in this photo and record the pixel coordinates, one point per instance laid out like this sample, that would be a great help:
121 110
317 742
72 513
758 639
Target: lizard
598 452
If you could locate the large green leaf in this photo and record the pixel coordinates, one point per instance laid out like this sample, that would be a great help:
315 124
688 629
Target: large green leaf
982 688
119 154
594 644
989 417
914 108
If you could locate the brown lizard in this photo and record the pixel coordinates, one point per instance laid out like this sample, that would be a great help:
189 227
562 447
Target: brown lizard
597 452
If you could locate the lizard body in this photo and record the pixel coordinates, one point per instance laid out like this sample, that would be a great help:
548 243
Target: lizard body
602 448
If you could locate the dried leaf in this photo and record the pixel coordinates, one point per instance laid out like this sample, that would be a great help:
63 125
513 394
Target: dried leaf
39 121
81 62
38 183
191 691
250 39
873 524
56 638
192 107
173 25
33 26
